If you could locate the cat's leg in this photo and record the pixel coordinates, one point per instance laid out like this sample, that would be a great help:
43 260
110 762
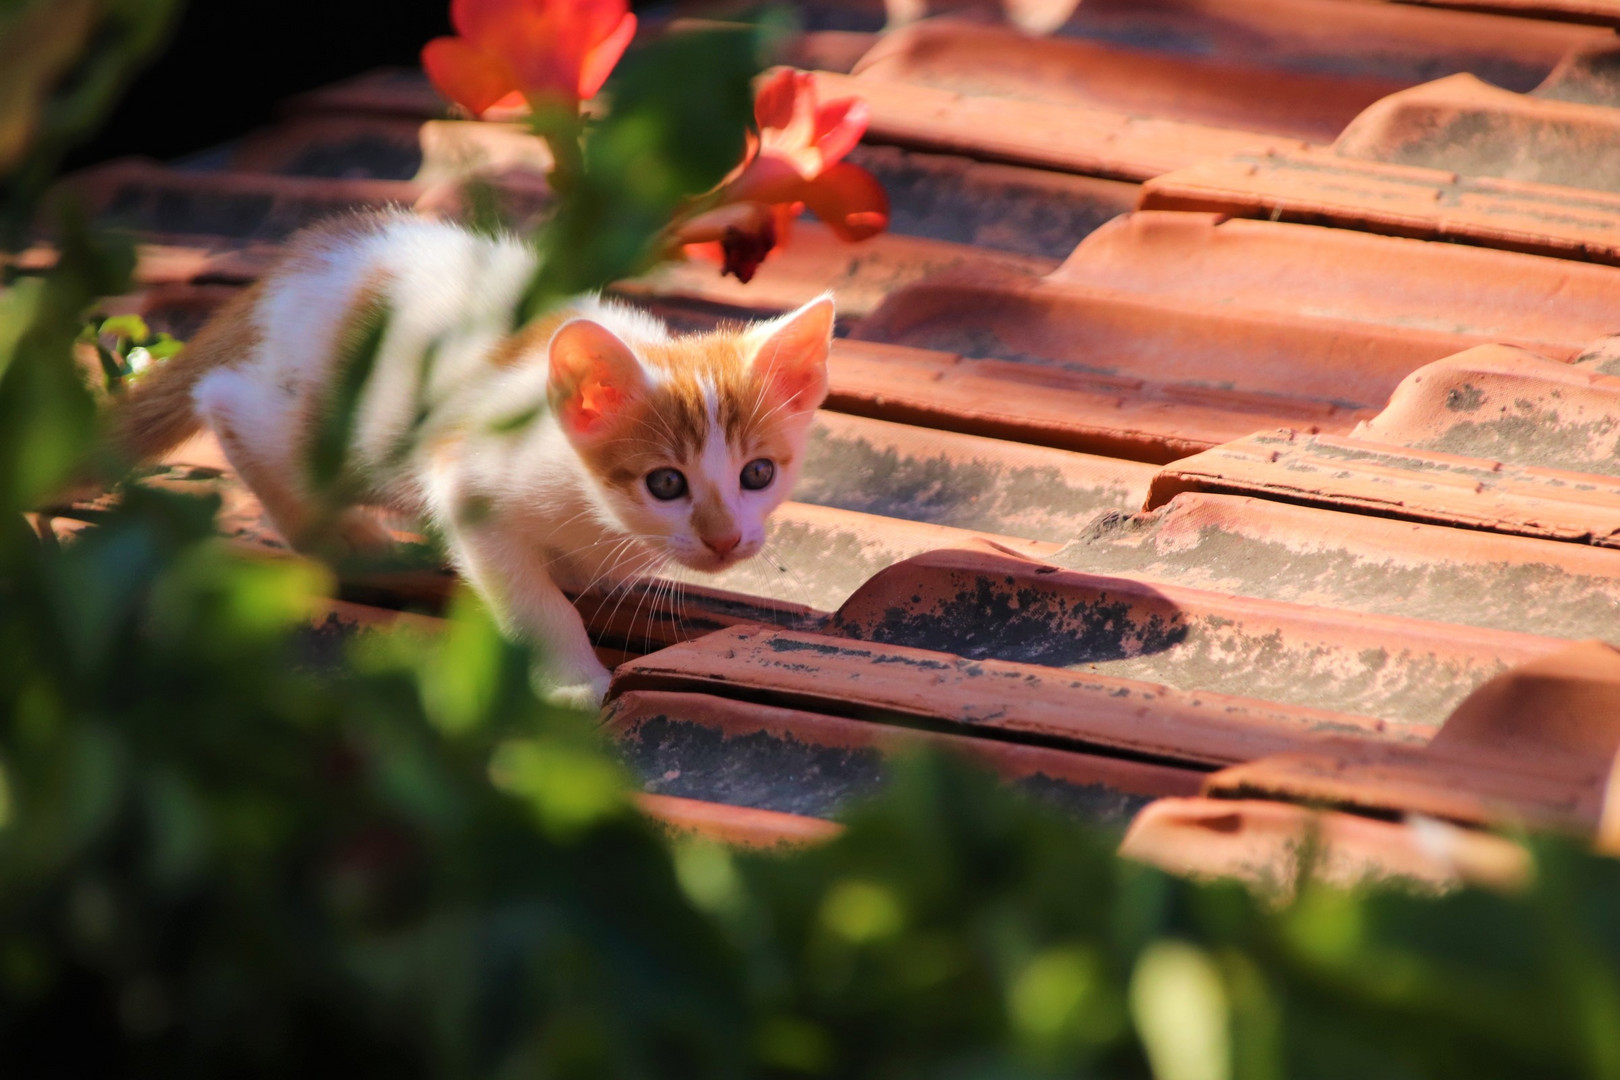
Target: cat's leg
518 586
259 450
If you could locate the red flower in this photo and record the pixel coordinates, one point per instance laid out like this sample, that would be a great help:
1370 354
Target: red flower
799 157
738 236
553 53
796 161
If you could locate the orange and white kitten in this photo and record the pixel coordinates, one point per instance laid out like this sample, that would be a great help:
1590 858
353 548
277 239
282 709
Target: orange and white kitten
588 446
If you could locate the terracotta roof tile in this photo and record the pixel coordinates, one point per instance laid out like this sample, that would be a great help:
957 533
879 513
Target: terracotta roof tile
1536 745
1218 91
1321 187
1418 485
1552 305
862 275
766 756
1544 425
1054 406
999 207
224 208
738 826
1307 371
1586 74
1508 405
964 481
1597 12
1358 562
1261 842
1001 544
386 91
340 146
987 606
817 556
224 225
1393 41
1070 138
1022 702
1467 126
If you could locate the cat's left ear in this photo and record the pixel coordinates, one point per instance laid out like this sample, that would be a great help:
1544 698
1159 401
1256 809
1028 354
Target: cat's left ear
792 359
594 378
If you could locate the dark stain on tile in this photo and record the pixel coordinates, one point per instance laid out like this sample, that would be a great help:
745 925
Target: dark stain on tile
761 770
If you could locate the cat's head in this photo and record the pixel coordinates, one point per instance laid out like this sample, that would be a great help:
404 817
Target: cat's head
692 441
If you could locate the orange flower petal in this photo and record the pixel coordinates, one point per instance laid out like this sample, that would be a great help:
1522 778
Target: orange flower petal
714 224
599 62
839 126
768 179
708 250
556 50
486 22
467 75
783 214
850 200
776 99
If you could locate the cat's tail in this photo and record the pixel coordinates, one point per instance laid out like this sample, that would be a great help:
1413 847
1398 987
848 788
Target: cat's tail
156 413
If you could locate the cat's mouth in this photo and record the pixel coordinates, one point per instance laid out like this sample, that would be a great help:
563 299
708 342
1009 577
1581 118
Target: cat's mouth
711 563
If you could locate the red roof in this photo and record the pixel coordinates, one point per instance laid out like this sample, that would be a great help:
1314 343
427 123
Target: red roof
1204 498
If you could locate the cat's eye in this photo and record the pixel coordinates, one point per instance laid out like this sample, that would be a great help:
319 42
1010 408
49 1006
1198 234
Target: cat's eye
758 474
666 484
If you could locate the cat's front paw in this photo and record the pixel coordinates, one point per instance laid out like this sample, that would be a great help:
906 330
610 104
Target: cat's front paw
355 533
580 693
361 534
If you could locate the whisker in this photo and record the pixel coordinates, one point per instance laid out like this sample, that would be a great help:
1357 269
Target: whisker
614 559
774 554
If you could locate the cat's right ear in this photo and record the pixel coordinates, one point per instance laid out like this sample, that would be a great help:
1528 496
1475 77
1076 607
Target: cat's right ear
594 377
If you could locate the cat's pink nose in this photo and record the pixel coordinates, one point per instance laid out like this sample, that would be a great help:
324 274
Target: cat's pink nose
722 545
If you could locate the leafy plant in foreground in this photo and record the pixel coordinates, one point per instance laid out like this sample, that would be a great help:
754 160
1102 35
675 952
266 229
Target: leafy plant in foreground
235 842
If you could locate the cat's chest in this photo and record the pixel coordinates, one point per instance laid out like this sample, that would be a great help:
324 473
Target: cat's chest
598 561
578 551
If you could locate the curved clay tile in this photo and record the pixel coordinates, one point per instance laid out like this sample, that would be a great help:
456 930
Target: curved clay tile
1552 305
1534 746
1394 481
1232 92
1262 842
1463 125
986 606
791 760
737 826
1505 404
1358 562
1319 187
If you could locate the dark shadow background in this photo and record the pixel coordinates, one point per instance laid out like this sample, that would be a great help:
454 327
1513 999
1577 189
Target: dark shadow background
230 62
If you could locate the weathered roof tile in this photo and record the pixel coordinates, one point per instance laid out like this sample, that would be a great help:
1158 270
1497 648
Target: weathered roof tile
757 755
1536 745
1552 305
988 606
1323 188
1358 562
994 698
969 563
1262 842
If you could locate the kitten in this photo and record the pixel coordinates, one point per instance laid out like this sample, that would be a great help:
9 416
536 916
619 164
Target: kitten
589 445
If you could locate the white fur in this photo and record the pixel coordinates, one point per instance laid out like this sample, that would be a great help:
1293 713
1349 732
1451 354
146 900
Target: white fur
521 512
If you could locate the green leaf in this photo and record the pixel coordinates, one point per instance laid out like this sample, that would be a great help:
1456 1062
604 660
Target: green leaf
165 346
678 110
133 328
356 360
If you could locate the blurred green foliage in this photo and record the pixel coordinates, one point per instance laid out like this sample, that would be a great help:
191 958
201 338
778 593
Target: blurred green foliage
63 65
234 842
126 348
677 108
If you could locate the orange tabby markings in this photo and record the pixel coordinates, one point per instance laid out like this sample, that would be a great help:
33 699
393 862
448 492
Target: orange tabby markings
604 397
